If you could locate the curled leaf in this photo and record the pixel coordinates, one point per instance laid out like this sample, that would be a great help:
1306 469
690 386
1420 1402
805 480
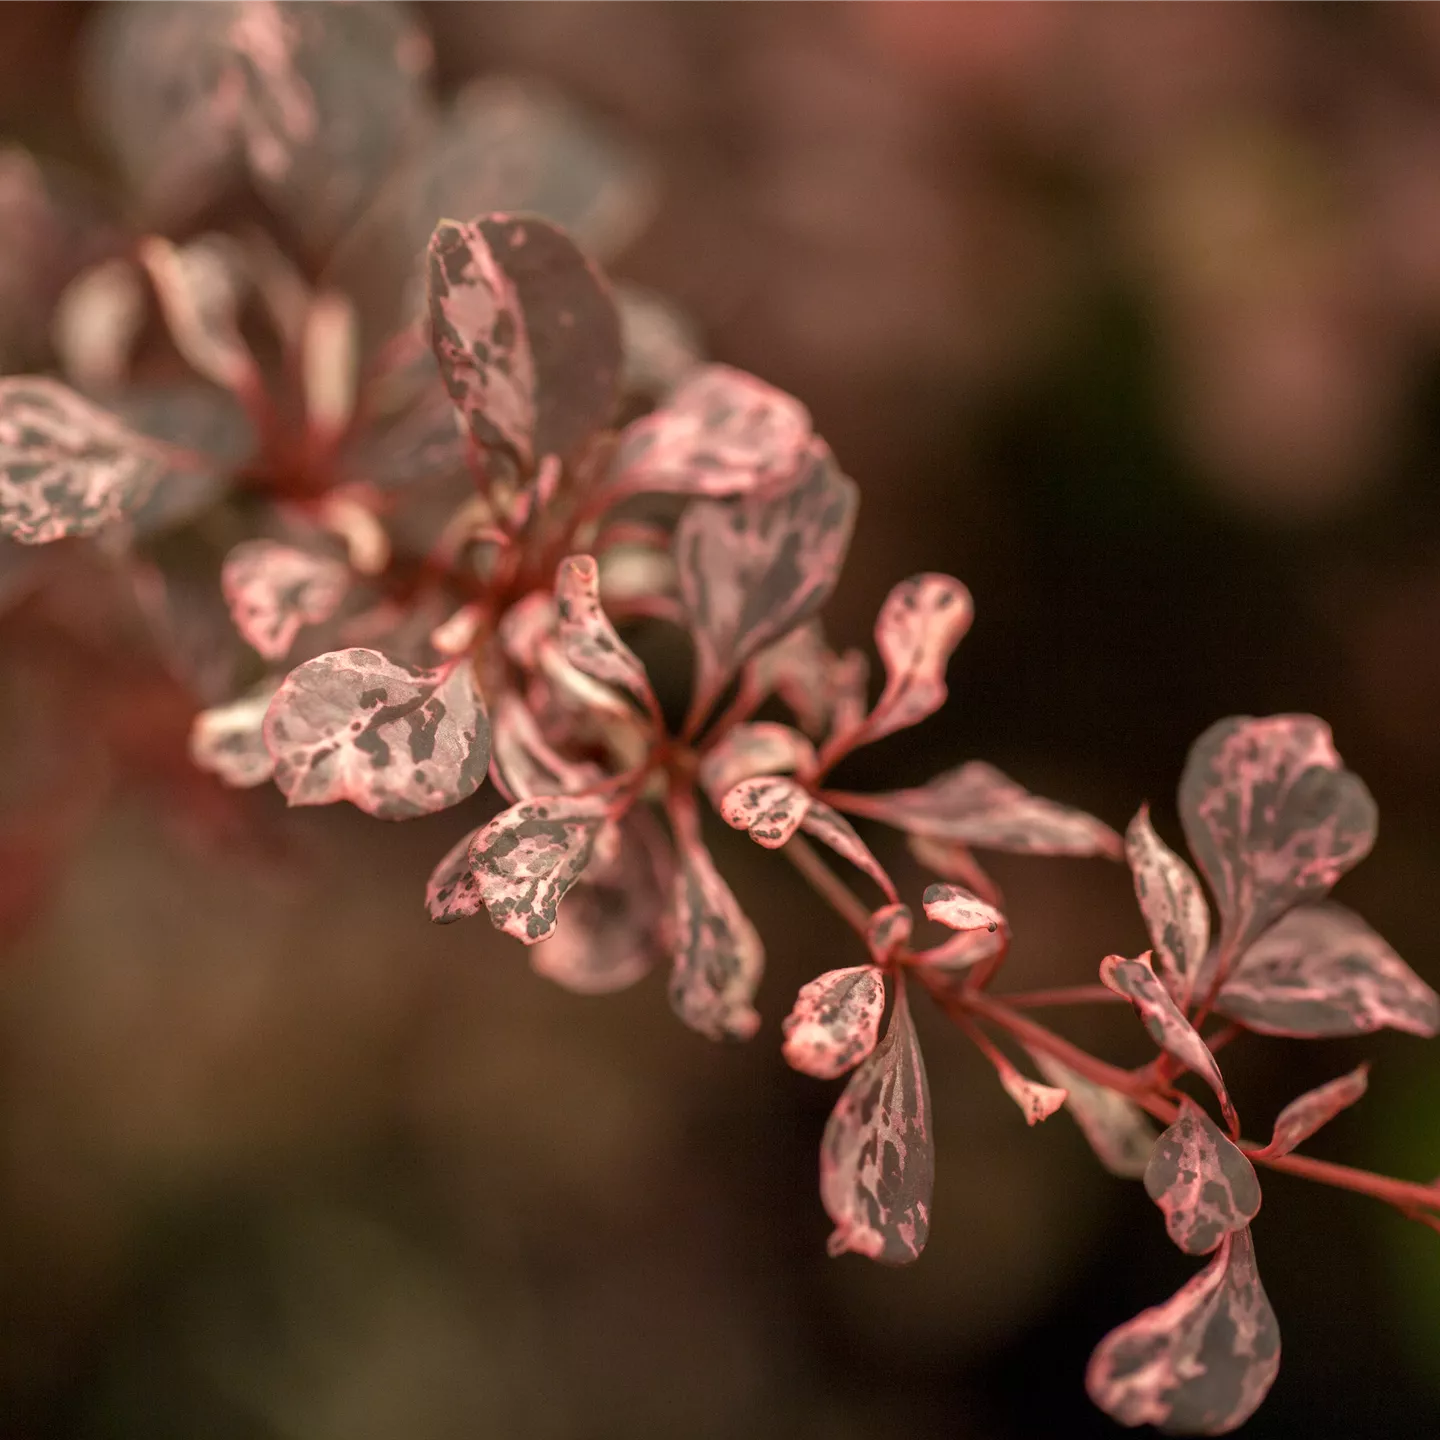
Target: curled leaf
835 1021
393 740
889 930
749 750
1201 1181
1037 1102
835 830
526 762
273 590
1118 1130
770 807
1201 1363
227 741
453 890
1302 1117
961 910
877 1161
199 287
1321 970
1173 905
587 638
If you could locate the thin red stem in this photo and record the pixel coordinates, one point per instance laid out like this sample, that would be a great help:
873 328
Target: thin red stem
1060 995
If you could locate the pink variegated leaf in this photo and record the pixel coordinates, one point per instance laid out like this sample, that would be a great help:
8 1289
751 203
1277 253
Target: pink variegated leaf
976 805
1321 970
921 622
961 910
889 931
528 857
942 963
527 763
200 289
587 638
745 751
274 589
797 669
951 860
525 627
770 807
478 330
1173 905
456 634
722 432
393 740
1037 1102
834 830
835 1021
1201 1363
877 1161
227 741
453 890
752 568
1203 1184
1302 1117
1118 1130
67 467
718 954
1137 982
1273 819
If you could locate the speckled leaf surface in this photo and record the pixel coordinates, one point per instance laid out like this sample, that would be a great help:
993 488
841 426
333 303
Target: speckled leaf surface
587 638
227 741
722 432
833 829
1203 1184
393 740
889 931
1119 1132
877 1159
1037 1102
752 568
1272 817
1302 1117
960 910
274 589
453 890
835 1021
770 807
66 466
745 751
1201 1363
1173 905
1322 970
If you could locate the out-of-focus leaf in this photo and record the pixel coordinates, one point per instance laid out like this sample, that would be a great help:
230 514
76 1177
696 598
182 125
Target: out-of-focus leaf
227 740
1119 1131
1173 905
749 750
527 763
889 930
1203 1184
274 589
833 829
661 344
835 1021
1302 1117
96 322
200 288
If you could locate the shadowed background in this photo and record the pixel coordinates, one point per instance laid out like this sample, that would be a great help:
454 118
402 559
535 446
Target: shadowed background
1128 316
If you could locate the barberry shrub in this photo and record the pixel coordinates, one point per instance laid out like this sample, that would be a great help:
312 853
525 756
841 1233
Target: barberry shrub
434 564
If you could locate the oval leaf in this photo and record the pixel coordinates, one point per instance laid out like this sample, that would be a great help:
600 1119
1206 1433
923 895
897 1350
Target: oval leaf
749 750
1119 1131
1203 1184
835 1021
1301 1118
587 638
961 910
1201 1363
393 740
770 807
877 1162
227 741
273 589
1173 905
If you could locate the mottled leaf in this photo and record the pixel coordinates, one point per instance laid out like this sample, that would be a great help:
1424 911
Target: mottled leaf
1173 905
797 668
722 432
1321 970
1201 1363
752 568
961 910
227 741
889 931
453 890
957 953
770 807
1302 1117
528 857
1203 1184
1119 1131
748 750
66 467
1137 982
200 288
835 1021
877 1162
528 764
1037 1102
273 589
393 740
834 830
1272 817
587 638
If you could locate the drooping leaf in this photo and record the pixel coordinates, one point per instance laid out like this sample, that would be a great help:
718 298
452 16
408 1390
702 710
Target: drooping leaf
745 751
770 807
478 330
835 1021
393 740
834 830
877 1161
961 910
528 857
889 930
1321 970
1137 982
67 467
722 432
1119 1131
453 890
1302 1117
1203 1184
274 589
1201 1363
1037 1102
1272 817
977 805
587 638
200 289
227 741
754 567
921 622
1173 905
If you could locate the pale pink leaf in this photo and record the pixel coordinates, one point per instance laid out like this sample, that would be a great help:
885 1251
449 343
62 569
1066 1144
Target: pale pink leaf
722 432
1137 982
834 830
770 807
889 931
797 669
587 638
745 751
1118 1130
227 741
752 568
1037 1102
393 740
1273 819
200 289
877 1161
951 860
1201 1363
1173 905
527 763
835 1021
67 467
1302 1117
274 589
921 622
961 910
959 952
1321 970
662 344
1202 1182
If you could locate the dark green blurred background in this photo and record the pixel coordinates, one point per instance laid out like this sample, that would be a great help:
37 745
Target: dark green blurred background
1130 317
